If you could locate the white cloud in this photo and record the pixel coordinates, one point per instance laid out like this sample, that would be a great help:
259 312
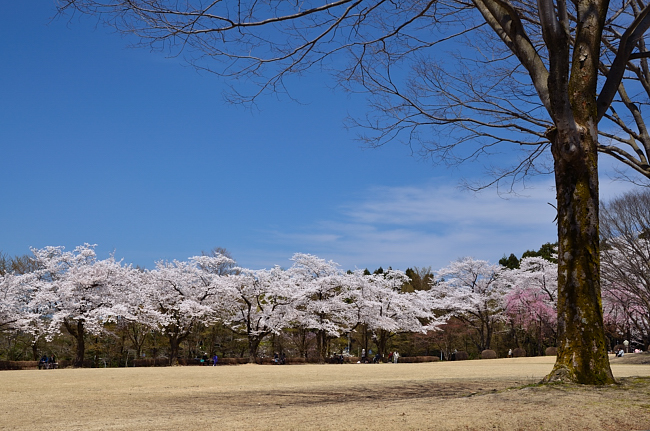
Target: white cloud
428 225
448 205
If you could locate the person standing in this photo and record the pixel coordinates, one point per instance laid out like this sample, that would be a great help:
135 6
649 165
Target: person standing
395 357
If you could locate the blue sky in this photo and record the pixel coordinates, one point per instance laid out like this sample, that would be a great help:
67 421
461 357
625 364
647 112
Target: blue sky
140 154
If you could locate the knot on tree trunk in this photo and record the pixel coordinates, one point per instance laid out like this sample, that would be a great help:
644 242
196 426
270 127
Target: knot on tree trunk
551 133
566 144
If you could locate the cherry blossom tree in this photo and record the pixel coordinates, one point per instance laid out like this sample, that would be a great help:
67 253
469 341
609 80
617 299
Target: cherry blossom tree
131 313
176 296
531 303
385 311
15 293
16 289
326 295
257 303
75 291
28 317
9 307
20 313
470 290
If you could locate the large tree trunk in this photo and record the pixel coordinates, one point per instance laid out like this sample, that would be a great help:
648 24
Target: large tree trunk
176 335
572 84
303 348
137 336
488 336
381 340
582 350
253 345
322 342
78 332
174 344
81 346
35 356
175 340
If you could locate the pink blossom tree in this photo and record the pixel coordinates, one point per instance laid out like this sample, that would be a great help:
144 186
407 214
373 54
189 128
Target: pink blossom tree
531 303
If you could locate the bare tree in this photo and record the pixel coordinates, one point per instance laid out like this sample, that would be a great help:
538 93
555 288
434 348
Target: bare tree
625 259
420 279
16 265
5 263
540 78
227 267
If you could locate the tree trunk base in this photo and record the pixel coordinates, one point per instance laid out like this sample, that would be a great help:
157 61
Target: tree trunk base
562 374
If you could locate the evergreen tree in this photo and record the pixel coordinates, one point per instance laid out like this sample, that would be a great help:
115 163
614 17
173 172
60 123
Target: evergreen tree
510 262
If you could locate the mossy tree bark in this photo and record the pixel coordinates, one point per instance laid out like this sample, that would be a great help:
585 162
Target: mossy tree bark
582 349
572 104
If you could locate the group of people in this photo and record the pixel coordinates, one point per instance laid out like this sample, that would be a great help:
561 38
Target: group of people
279 359
47 363
205 361
365 358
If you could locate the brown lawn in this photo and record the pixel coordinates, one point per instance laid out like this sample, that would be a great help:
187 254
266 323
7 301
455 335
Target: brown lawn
468 395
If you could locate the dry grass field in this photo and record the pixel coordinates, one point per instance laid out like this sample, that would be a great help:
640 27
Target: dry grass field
471 395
